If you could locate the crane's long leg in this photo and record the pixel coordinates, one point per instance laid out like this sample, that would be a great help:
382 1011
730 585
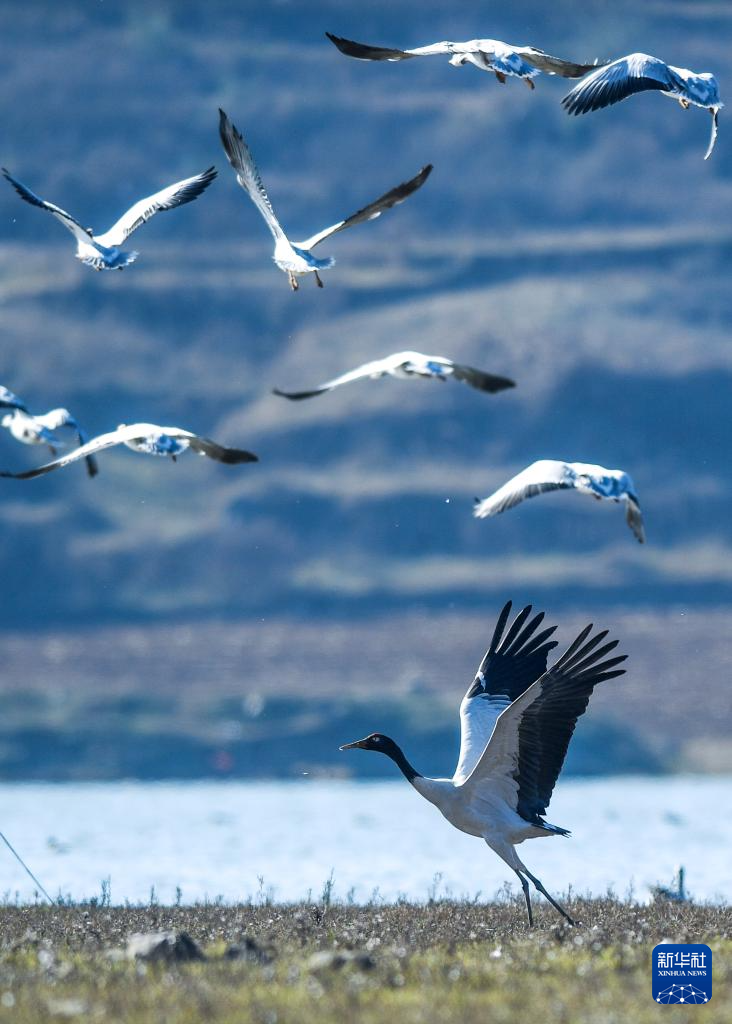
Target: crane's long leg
542 890
527 897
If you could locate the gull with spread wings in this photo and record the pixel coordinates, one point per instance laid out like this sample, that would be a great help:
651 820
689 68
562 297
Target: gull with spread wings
41 429
639 72
516 721
149 439
553 475
104 252
296 258
503 59
408 365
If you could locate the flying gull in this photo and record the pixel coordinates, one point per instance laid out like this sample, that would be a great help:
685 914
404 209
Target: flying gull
639 72
295 258
406 365
103 252
552 475
149 439
504 60
30 429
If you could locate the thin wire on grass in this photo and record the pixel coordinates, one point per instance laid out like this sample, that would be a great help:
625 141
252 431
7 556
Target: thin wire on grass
25 867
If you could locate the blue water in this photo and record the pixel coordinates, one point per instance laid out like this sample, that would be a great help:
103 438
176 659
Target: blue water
284 840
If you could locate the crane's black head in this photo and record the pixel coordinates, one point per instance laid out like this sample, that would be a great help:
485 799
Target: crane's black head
376 741
385 745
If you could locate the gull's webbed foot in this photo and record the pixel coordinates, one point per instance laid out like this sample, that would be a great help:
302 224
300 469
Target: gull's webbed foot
684 103
500 76
530 83
317 279
293 281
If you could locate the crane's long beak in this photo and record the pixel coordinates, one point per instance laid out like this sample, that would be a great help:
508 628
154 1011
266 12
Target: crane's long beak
351 746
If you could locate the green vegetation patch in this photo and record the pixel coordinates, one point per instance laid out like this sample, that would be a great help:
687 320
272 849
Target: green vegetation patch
445 961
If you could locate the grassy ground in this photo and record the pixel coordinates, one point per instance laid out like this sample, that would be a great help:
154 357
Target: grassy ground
273 964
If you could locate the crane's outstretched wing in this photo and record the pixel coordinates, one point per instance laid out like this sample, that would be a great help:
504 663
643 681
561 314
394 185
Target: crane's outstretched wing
490 382
362 51
57 418
247 175
526 751
634 518
375 209
10 401
541 476
553 65
231 456
178 194
375 368
81 234
511 664
638 72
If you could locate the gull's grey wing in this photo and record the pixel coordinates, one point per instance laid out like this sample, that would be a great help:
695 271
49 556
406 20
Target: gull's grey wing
553 65
57 418
80 233
545 475
362 51
715 131
634 518
482 381
247 175
205 446
10 401
178 194
638 72
372 369
375 209
97 444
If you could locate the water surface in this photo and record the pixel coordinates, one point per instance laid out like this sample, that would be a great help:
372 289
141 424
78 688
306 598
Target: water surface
285 840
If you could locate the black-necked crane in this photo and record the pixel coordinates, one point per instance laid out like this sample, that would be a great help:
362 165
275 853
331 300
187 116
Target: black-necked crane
516 720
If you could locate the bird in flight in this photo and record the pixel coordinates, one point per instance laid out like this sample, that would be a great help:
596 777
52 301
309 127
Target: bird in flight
40 429
10 401
408 365
639 72
104 252
552 475
149 439
296 258
516 721
504 60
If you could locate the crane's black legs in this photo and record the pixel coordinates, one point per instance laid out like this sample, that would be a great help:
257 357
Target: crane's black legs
525 887
542 890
